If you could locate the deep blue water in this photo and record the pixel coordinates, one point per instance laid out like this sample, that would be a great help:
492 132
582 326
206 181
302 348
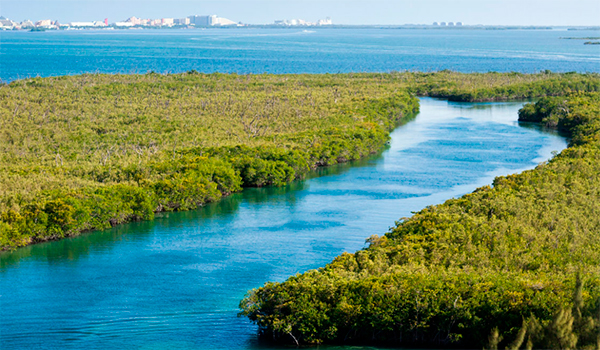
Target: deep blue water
28 54
176 282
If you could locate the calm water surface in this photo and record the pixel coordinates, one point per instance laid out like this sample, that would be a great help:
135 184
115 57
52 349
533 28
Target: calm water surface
318 50
176 282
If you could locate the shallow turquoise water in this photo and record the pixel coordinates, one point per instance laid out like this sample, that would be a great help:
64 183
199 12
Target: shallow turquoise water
176 282
319 50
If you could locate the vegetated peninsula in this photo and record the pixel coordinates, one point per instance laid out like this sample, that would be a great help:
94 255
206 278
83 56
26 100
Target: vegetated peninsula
581 38
589 38
513 266
87 152
92 151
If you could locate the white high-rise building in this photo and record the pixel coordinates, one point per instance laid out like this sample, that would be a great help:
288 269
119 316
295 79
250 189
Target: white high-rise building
220 21
200 21
7 23
27 24
134 20
325 22
167 22
81 24
44 23
182 21
124 24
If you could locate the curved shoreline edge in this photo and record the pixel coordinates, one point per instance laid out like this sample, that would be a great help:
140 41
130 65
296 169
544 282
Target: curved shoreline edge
289 170
113 192
192 176
514 265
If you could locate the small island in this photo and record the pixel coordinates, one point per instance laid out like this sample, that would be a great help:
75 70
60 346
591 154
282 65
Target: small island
581 38
585 38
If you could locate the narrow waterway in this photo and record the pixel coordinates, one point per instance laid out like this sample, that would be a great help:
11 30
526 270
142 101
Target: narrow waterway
176 282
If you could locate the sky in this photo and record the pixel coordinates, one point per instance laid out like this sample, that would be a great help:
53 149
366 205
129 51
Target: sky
488 12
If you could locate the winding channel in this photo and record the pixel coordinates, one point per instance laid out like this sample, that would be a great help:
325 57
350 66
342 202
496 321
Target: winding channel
176 282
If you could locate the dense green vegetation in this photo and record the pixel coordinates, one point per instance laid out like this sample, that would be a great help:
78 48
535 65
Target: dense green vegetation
499 86
513 265
87 152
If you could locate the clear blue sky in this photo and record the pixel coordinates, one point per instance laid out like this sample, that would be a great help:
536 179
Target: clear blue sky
503 12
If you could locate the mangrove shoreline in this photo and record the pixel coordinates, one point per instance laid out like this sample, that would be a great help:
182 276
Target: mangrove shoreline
516 265
89 152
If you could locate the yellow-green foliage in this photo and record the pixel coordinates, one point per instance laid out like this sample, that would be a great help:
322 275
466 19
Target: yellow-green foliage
114 148
499 86
91 151
499 264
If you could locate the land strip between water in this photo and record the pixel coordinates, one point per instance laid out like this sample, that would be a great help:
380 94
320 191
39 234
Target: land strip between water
89 152
514 265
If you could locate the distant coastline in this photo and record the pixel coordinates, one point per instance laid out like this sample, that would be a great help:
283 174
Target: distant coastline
336 26
581 38
585 38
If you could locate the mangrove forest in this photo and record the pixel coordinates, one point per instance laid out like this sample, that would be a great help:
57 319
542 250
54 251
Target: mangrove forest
515 264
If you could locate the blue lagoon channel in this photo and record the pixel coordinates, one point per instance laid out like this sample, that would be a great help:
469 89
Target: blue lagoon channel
176 282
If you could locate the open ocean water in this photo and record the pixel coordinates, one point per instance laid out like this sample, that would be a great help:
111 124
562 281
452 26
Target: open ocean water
293 50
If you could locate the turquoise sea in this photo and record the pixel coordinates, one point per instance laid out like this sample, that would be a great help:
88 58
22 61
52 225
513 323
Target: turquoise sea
293 50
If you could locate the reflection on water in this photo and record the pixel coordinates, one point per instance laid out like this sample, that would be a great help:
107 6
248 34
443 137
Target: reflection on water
73 248
177 281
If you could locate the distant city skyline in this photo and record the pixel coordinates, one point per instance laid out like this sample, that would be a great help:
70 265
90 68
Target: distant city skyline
472 12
